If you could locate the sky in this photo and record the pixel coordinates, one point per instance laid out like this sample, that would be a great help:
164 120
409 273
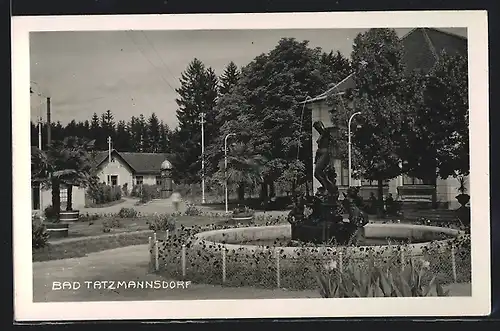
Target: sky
134 72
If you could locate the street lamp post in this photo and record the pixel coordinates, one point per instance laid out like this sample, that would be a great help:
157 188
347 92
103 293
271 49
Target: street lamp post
202 121
349 145
225 167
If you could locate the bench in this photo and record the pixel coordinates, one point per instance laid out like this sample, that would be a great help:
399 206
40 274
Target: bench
435 215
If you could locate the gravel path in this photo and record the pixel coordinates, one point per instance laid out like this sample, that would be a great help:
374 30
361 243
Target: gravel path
129 264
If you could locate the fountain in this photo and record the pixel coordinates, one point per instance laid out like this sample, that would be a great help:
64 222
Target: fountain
325 222
318 234
317 224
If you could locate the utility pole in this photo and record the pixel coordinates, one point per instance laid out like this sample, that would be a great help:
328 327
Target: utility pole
109 149
202 121
49 137
40 147
349 145
225 168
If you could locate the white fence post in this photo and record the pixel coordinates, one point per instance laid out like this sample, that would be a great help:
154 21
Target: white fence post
402 259
340 261
183 260
157 256
223 265
151 252
166 235
278 276
154 237
453 264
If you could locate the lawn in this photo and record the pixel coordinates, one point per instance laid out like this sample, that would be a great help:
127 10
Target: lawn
104 205
117 224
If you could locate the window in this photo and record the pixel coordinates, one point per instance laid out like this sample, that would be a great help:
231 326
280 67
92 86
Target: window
366 182
35 194
158 180
139 180
114 180
408 180
344 176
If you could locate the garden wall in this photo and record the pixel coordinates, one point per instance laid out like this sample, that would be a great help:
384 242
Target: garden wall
79 247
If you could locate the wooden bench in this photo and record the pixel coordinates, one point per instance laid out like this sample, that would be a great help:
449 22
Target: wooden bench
435 215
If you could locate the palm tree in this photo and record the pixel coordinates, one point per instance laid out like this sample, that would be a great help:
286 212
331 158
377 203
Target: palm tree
244 167
73 163
66 162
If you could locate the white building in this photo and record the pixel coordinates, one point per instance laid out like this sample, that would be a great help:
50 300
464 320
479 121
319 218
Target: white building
125 169
421 45
129 169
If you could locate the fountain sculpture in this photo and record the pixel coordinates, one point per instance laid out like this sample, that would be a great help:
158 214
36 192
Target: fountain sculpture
325 223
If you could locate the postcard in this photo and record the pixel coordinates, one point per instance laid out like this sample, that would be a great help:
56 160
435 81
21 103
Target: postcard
251 165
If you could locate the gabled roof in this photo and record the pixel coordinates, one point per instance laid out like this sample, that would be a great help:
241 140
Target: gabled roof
140 163
421 47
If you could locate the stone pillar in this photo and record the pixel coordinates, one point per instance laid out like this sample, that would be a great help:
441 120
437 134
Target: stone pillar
166 183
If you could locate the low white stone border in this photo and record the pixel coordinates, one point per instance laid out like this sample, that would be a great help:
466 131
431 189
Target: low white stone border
229 238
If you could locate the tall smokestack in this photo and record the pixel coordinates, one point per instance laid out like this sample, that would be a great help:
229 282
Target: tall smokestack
48 123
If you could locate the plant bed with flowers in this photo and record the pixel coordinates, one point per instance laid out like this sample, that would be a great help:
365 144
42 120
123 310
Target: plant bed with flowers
242 214
271 267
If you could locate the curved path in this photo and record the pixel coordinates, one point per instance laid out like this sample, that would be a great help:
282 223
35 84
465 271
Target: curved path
129 264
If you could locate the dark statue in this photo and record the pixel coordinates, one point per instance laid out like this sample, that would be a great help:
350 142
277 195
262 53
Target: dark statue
325 222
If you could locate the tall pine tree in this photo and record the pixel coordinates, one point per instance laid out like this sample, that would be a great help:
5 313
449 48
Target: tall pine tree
122 139
197 95
229 78
96 132
164 138
154 134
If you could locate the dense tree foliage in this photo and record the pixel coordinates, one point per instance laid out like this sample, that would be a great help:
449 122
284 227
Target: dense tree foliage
138 134
414 123
379 71
437 123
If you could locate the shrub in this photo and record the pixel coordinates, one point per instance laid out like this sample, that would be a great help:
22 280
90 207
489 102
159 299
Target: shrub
163 223
128 213
243 210
102 193
88 217
39 234
50 213
192 210
114 223
145 192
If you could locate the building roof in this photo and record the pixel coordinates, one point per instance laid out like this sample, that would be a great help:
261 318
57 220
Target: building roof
141 163
166 165
421 49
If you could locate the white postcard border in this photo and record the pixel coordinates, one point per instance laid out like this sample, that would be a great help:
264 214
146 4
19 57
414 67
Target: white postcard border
478 304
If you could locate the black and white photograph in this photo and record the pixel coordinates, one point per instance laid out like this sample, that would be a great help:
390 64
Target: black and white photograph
217 166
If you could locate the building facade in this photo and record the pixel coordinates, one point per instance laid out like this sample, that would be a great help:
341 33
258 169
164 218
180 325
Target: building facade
128 169
421 46
116 169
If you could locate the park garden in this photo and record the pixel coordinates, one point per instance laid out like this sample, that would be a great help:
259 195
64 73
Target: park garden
406 128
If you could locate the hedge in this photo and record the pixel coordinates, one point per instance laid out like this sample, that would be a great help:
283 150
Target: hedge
79 247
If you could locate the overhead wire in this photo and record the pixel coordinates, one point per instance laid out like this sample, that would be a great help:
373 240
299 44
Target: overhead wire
150 62
157 54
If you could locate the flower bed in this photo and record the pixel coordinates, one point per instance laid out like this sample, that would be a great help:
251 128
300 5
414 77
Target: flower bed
78 247
183 256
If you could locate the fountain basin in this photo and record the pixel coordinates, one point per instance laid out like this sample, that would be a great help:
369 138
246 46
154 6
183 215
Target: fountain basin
253 239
